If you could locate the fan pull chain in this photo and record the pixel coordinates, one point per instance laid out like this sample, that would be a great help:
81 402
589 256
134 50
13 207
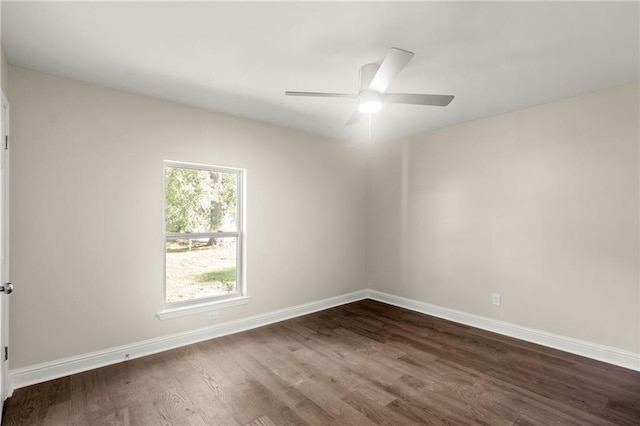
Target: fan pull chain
370 127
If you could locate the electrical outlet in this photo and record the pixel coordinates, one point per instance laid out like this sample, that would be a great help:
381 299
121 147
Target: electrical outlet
214 315
495 299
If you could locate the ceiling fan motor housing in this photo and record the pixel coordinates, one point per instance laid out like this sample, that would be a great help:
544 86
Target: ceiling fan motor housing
369 102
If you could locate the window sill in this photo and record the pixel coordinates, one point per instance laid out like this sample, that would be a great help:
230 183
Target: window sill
202 307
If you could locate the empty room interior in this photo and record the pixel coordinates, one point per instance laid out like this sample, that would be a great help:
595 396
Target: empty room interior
269 213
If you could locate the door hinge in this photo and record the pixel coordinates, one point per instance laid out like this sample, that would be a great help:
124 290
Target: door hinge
6 353
6 141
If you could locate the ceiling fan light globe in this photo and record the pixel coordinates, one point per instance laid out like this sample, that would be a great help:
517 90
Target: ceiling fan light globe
369 107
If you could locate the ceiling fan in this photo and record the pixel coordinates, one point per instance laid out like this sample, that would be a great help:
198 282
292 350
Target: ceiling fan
374 79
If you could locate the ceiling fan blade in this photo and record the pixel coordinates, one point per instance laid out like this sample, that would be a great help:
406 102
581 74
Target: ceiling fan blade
416 99
366 74
321 94
392 64
355 117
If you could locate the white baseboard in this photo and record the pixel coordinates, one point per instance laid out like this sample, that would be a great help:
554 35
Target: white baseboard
595 351
39 373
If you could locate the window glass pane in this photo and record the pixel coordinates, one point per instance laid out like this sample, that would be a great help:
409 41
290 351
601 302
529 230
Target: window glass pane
200 200
198 268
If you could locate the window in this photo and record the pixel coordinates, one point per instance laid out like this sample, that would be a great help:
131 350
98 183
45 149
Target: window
203 234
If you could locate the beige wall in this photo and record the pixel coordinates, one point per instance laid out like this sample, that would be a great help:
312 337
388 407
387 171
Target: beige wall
86 214
4 64
539 205
4 73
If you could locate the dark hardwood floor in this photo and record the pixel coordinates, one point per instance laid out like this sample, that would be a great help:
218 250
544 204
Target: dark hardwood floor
358 364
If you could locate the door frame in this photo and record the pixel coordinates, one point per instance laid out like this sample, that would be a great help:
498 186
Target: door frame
5 391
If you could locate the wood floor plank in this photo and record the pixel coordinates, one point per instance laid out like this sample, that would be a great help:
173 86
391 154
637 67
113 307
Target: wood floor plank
261 421
310 412
362 363
202 390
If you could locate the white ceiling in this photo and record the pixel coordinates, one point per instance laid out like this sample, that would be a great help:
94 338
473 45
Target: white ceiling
239 58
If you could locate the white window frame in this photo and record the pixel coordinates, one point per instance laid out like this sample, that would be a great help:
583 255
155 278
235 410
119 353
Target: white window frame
204 304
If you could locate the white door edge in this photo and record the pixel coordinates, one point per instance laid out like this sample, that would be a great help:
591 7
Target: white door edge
4 275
